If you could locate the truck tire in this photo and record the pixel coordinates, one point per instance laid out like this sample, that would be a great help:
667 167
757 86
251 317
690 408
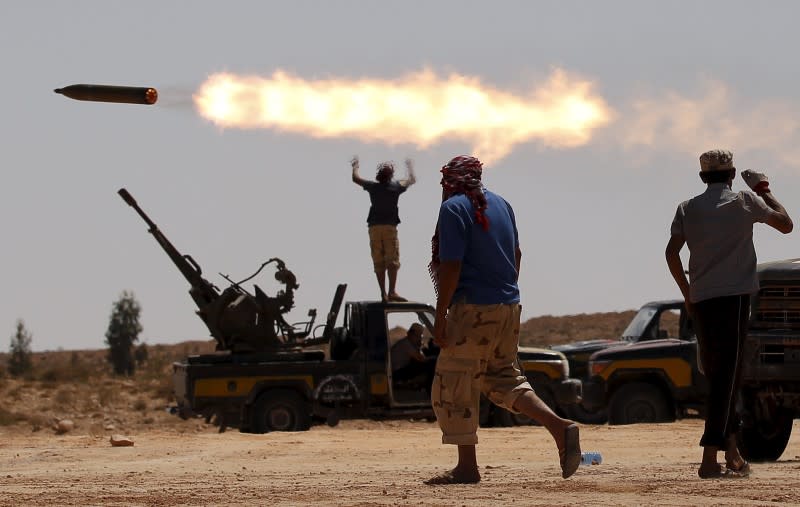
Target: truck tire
577 412
639 403
765 440
281 410
500 417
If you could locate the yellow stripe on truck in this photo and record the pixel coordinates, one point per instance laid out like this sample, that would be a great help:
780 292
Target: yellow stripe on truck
378 384
240 386
553 371
676 369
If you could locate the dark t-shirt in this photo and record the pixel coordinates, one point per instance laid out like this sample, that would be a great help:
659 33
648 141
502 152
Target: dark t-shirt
383 197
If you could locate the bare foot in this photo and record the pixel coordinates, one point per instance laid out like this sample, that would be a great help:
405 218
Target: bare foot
569 453
739 466
709 471
734 460
393 296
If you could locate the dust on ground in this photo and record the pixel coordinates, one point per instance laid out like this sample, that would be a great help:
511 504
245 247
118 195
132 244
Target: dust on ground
365 463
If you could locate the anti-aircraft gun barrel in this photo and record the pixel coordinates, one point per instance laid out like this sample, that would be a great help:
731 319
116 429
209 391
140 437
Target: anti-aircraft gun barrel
240 322
202 291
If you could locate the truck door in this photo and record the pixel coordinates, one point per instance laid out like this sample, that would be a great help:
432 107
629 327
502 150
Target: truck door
410 373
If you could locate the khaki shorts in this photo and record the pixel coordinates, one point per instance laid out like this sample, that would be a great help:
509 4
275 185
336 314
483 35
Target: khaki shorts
384 246
480 358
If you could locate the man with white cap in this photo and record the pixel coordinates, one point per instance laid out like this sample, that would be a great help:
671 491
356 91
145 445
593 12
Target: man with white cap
717 226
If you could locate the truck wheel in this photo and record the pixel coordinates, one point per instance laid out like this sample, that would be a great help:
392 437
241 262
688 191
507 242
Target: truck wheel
638 403
333 419
281 411
765 440
522 420
578 412
500 417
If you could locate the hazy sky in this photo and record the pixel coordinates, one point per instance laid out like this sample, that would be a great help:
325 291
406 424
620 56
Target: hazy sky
679 78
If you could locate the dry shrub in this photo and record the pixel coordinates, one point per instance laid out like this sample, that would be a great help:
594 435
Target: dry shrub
65 371
48 385
64 397
159 363
162 388
16 393
8 417
140 405
105 395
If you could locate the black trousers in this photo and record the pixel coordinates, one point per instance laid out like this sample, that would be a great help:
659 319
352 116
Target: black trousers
721 326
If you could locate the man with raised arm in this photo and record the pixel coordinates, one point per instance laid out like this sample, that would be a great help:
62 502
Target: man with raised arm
382 222
717 226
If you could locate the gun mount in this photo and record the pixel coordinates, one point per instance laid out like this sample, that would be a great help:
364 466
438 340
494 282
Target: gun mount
239 321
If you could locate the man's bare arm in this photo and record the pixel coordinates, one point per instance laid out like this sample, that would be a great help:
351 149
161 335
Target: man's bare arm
518 260
675 264
759 183
411 178
779 219
356 178
449 272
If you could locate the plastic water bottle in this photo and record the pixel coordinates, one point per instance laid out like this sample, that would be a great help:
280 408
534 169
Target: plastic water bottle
591 458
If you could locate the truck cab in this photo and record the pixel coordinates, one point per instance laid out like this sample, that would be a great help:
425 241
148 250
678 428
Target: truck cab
655 320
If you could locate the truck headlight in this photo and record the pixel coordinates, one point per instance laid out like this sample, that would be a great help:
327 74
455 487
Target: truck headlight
597 367
565 367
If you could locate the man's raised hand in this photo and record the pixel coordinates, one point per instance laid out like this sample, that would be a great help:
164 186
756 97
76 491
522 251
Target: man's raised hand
757 181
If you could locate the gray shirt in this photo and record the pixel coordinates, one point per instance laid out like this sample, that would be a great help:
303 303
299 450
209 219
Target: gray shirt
717 226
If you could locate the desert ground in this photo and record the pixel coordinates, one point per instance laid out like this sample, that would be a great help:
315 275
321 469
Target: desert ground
358 463
364 463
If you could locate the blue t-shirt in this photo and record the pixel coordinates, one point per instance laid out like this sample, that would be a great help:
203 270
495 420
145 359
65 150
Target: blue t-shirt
488 261
383 197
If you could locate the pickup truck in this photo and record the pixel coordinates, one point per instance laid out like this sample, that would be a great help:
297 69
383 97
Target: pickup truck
349 377
659 380
655 320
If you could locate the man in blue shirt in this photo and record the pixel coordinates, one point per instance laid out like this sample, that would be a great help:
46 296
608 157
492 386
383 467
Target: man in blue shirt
382 222
475 266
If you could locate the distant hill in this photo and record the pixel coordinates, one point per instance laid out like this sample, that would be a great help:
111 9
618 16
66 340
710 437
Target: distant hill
551 330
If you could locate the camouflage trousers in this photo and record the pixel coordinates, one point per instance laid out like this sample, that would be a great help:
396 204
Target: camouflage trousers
480 358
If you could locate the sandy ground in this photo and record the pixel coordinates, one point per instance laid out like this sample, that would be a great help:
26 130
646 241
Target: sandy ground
364 463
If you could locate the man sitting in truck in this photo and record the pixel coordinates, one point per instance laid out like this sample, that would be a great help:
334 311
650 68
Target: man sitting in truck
408 361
